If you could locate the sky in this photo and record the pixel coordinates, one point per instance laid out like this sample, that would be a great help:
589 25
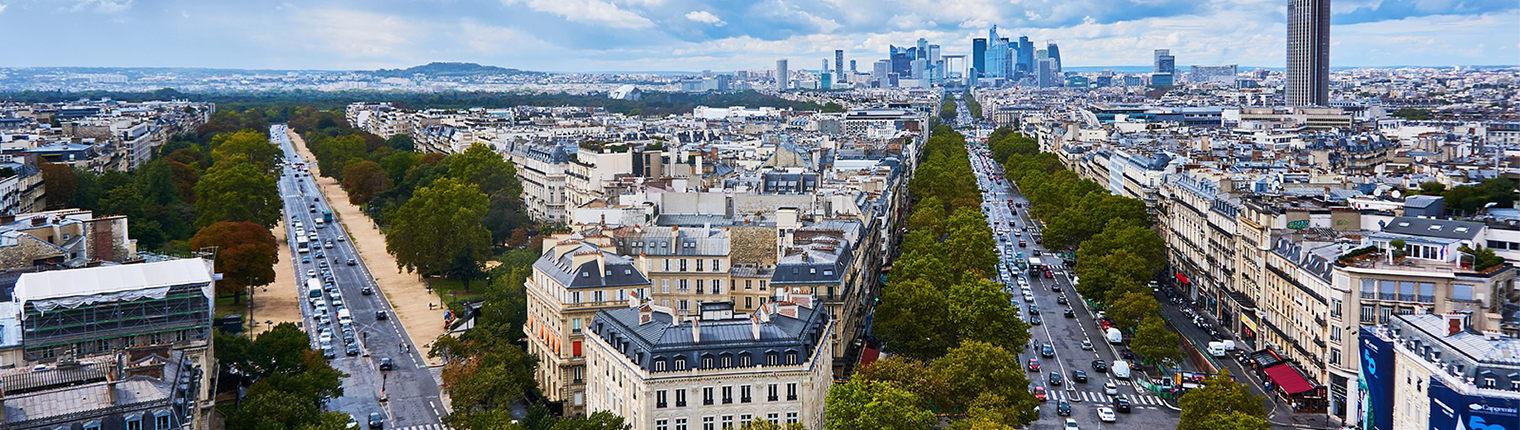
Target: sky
723 35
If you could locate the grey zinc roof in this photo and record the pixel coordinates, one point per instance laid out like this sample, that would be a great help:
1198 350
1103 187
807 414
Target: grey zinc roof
658 339
690 241
620 270
1434 228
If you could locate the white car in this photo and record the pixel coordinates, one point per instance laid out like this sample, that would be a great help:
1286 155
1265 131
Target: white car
1071 424
1028 298
325 337
1110 389
1087 345
1106 415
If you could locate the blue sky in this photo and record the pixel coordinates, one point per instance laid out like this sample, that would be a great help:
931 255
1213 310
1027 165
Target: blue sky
660 35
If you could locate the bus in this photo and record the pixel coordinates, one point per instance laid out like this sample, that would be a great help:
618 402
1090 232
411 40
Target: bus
314 288
326 216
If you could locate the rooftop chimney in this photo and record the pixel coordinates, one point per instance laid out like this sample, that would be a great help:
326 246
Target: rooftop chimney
754 325
696 330
646 314
787 308
1454 323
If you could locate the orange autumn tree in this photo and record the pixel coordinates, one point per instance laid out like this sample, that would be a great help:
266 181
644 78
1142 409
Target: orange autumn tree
246 255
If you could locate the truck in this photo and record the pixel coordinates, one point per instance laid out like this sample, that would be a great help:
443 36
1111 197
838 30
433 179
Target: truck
327 215
314 288
1114 336
1216 349
1120 369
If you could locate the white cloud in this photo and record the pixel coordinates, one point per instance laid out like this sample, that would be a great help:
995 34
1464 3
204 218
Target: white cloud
493 40
593 11
705 17
2 7
102 6
357 34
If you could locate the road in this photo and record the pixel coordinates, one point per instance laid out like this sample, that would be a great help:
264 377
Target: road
407 397
1065 335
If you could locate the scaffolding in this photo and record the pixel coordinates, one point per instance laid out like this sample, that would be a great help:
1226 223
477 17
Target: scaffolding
104 325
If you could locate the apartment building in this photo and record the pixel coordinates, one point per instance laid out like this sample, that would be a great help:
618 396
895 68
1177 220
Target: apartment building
541 168
67 238
571 281
716 370
1435 371
686 266
592 169
122 346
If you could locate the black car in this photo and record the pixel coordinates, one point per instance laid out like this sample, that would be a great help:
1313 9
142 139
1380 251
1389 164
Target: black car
1078 376
1069 313
1063 408
1055 379
381 316
366 291
1127 354
376 421
1034 320
1061 300
1100 366
1048 351
1121 404
1034 310
385 364
352 349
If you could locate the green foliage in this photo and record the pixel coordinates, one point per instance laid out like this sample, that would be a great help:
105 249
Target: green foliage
1219 396
1467 200
1153 341
862 404
253 146
1131 308
972 105
929 216
1412 114
240 192
363 180
245 255
1432 188
290 382
438 223
984 374
1236 420
913 319
1484 258
947 110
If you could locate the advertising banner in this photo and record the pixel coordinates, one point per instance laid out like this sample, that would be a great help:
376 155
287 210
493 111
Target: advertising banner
1377 381
1450 410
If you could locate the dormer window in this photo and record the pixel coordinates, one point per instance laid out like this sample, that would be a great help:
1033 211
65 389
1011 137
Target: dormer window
680 363
585 274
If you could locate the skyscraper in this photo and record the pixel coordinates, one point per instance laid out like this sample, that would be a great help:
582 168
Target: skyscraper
783 81
978 56
1308 53
852 67
997 55
1045 73
1054 53
1165 70
923 48
839 65
1026 55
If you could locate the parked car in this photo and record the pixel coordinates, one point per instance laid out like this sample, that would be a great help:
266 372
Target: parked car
376 421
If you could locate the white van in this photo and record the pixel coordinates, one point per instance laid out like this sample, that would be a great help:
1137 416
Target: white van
1120 369
1216 349
344 317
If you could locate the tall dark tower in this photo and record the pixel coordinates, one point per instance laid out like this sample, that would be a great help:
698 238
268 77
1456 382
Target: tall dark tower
1308 53
979 55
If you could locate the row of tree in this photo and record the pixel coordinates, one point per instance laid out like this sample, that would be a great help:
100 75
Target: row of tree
287 382
1469 199
954 333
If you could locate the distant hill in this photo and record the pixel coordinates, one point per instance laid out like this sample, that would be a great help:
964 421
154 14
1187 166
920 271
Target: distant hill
441 69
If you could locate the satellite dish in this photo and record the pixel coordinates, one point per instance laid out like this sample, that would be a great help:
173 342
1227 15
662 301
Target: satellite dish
1382 224
1397 194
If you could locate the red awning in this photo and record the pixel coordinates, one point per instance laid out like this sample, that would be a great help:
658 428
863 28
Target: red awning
1288 379
869 356
1182 278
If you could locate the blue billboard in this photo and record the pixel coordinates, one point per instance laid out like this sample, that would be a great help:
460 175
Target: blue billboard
1450 410
1376 382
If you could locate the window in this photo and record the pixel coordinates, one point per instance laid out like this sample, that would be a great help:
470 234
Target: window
746 418
680 424
762 285
575 325
659 399
791 391
707 395
575 297
749 301
717 265
667 264
684 304
680 402
699 265
1461 292
773 417
578 373
681 285
743 394
727 422
134 423
665 286
726 360
744 360
681 361
1335 308
661 424
1335 356
791 357
659 364
699 285
707 423
728 395
717 286
791 417
707 362
683 264
161 421
771 359
772 393
1369 314
748 283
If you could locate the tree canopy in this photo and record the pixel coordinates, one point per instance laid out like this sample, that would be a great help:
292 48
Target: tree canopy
1220 396
246 255
439 222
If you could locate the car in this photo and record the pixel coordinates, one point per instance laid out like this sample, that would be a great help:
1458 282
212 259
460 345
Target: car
1121 403
1100 366
327 352
1127 354
305 260
1022 244
1069 313
1071 424
1110 389
1048 275
351 349
1061 300
1063 408
381 316
1079 375
1055 288
1034 365
1028 298
1034 309
322 264
325 337
376 421
1055 379
1107 415
321 254
311 273
337 301
328 244
1035 320
1039 394
341 238
313 209
366 291
352 423
352 262
1087 345
385 364
1048 351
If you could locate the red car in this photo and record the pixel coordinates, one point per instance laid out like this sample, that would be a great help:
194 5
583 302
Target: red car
1049 275
1034 365
1039 393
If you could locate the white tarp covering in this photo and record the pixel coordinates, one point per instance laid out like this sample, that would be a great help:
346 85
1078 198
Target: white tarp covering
78 287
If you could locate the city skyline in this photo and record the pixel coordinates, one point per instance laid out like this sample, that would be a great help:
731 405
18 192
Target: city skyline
673 35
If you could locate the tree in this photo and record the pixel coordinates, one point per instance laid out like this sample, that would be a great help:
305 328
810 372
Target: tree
291 382
970 249
602 420
1432 188
913 319
913 375
983 311
1141 241
402 143
928 214
862 404
237 193
364 180
1236 420
1120 270
398 163
485 168
254 146
1131 308
438 223
1152 340
984 375
246 255
1219 396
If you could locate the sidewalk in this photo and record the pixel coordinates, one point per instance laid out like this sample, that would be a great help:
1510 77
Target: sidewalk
278 302
407 293
1279 413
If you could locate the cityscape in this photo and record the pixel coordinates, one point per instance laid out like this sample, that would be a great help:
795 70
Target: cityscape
691 215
